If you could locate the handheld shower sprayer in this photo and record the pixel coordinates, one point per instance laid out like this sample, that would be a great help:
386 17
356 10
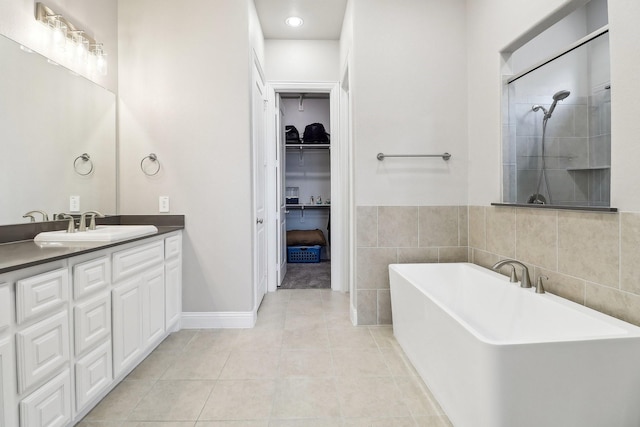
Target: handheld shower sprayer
558 96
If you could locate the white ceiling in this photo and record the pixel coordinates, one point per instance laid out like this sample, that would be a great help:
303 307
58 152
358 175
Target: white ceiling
322 18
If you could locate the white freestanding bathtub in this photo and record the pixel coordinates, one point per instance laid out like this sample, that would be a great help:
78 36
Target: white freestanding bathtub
497 355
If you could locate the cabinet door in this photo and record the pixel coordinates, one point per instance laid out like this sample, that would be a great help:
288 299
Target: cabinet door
153 305
93 375
48 406
41 349
173 292
91 276
91 322
8 410
127 324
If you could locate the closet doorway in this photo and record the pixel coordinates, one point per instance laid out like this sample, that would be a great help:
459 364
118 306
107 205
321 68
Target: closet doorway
307 188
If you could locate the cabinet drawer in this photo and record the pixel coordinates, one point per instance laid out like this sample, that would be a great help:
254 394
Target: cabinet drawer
91 322
41 349
41 294
5 306
93 374
90 277
50 405
172 246
134 260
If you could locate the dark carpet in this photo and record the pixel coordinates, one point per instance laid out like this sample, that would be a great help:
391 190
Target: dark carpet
308 276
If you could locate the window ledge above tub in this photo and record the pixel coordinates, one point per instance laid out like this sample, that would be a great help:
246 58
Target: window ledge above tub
601 209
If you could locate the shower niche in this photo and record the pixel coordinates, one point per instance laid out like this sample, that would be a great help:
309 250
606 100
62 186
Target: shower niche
557 115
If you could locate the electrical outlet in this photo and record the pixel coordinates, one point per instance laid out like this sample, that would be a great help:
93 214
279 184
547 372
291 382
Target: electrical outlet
163 204
74 204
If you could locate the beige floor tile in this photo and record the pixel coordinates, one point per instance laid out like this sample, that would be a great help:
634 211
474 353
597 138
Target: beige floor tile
418 400
240 400
220 339
304 320
306 398
159 424
244 423
359 362
305 339
370 397
338 320
119 403
383 336
259 339
379 422
105 424
197 364
177 340
307 295
356 337
246 365
306 363
173 401
398 362
270 321
306 422
433 421
153 366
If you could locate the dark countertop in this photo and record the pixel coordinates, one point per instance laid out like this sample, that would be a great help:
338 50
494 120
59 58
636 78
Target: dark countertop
15 255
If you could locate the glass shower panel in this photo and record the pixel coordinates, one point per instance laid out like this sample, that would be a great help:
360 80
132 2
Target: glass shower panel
557 148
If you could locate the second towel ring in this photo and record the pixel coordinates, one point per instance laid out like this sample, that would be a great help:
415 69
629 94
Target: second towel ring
153 158
86 158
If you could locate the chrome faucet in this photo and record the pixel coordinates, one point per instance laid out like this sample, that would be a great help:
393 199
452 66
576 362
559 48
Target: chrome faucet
92 224
526 279
71 228
29 214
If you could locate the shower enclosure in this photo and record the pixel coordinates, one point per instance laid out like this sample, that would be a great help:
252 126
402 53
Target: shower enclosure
557 134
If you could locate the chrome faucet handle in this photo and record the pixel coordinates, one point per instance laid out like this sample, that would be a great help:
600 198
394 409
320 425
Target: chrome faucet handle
71 228
92 224
513 278
539 286
45 216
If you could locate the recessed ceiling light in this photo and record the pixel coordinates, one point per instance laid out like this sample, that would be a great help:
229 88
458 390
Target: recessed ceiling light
294 21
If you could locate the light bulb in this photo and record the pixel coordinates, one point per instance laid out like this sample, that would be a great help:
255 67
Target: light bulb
99 60
81 47
59 34
294 21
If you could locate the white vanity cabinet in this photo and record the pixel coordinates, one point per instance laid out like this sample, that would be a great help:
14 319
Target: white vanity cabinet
138 302
70 330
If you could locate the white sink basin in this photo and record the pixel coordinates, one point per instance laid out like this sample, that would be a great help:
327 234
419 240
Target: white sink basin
102 233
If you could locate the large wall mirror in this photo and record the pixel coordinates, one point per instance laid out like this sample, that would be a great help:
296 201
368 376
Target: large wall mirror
49 119
557 143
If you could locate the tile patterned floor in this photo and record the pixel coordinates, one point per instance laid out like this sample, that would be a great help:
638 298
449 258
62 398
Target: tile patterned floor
303 365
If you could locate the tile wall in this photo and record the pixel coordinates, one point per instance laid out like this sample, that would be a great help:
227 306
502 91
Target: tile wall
590 258
402 234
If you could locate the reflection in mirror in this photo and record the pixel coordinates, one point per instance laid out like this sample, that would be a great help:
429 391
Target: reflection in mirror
557 147
49 118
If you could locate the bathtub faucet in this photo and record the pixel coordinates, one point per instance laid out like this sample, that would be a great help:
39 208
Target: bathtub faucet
525 282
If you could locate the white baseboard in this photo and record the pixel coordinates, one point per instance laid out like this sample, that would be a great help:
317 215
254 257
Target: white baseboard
218 320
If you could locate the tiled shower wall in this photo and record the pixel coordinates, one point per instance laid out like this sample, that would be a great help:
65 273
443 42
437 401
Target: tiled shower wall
590 258
402 234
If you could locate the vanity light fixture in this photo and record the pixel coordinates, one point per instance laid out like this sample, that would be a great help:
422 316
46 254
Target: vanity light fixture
294 21
66 36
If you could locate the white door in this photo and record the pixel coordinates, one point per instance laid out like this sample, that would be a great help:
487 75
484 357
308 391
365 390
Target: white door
280 191
259 185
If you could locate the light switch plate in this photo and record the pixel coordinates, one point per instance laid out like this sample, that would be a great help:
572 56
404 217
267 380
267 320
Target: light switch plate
163 204
74 203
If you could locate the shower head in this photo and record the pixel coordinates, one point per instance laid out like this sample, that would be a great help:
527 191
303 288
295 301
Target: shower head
558 96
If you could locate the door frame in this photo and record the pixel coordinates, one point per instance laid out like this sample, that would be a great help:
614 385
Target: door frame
341 259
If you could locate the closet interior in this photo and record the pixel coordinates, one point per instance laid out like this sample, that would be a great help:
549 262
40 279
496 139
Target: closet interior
307 189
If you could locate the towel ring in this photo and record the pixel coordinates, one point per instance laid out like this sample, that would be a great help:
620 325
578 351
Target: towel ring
85 158
153 158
